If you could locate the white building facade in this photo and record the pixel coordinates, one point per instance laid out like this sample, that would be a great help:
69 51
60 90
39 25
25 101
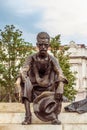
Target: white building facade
78 61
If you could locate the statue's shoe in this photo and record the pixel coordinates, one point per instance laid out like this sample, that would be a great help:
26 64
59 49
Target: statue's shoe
56 122
26 121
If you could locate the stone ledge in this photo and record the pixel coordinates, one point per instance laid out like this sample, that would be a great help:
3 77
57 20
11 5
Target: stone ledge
15 113
12 114
43 127
73 118
75 127
66 118
19 107
30 127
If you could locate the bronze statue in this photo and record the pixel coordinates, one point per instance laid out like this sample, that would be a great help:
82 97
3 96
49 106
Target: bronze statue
42 80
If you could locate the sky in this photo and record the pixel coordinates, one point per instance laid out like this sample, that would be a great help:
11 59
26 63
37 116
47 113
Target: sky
65 17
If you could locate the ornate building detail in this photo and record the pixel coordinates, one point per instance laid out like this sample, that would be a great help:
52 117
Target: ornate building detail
78 61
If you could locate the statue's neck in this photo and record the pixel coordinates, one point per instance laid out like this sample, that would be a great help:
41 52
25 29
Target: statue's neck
42 56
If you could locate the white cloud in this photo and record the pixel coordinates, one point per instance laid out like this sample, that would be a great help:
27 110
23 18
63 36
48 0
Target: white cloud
67 17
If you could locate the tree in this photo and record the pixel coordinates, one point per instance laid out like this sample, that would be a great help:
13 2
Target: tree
13 50
63 57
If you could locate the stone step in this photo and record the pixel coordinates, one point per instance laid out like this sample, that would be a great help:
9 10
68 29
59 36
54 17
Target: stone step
30 127
66 118
14 113
43 127
74 127
19 107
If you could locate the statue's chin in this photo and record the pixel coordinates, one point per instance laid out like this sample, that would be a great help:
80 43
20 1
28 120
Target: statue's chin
43 53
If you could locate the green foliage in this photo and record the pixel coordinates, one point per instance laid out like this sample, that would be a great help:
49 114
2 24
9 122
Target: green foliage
63 57
13 50
55 44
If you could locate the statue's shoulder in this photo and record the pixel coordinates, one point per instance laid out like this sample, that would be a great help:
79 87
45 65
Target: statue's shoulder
31 57
34 56
52 58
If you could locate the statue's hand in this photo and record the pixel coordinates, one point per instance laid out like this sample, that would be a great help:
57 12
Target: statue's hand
58 96
63 79
18 88
24 77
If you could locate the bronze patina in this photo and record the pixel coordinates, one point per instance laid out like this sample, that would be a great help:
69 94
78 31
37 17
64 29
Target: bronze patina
42 81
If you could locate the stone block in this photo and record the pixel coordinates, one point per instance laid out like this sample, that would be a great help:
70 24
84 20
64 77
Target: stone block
14 113
31 127
75 127
74 118
19 107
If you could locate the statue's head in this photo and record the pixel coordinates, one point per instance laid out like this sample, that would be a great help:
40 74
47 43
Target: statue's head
43 42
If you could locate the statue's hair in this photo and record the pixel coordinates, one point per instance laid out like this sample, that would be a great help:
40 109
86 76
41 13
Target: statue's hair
43 35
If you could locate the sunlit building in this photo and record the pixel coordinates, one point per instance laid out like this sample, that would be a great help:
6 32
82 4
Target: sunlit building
78 61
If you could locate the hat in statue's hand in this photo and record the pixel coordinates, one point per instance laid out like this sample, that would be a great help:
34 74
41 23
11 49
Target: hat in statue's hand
45 106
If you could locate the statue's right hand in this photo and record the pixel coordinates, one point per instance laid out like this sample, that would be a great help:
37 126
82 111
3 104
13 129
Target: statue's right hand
18 88
24 77
18 81
17 85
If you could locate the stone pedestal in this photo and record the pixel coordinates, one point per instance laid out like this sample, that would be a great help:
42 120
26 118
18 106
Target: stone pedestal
12 114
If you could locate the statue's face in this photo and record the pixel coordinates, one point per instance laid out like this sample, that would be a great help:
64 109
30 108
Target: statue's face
43 45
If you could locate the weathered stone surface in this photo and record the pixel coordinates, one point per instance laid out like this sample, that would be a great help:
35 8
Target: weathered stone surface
11 107
75 127
15 113
68 118
19 107
43 127
17 118
73 118
12 114
31 127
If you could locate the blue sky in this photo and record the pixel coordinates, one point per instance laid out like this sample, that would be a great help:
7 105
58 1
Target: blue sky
65 17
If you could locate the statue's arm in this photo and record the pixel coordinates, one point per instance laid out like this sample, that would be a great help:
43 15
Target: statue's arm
25 68
58 69
22 76
56 65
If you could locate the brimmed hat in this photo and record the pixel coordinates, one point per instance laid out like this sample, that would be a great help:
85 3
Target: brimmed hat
45 106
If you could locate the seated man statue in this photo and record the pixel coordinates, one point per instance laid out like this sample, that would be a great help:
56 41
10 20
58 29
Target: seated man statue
40 72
